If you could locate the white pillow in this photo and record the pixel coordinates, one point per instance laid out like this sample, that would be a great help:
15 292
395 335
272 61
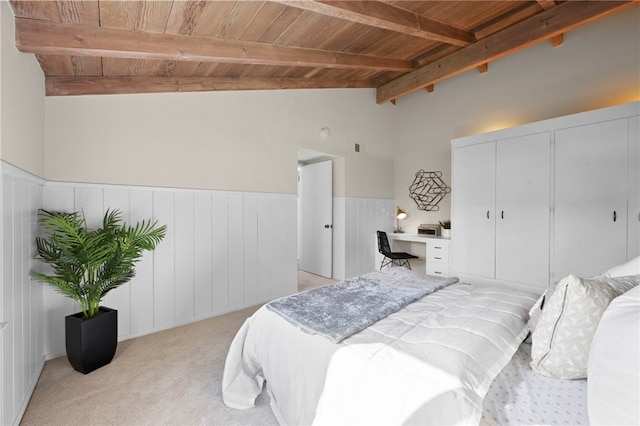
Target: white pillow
562 338
631 267
613 388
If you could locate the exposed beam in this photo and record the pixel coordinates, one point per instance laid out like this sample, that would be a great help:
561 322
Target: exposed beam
483 68
54 38
546 4
557 40
546 25
387 16
69 86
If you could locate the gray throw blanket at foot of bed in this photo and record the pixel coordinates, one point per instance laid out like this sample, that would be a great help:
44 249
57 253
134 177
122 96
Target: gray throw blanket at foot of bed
339 310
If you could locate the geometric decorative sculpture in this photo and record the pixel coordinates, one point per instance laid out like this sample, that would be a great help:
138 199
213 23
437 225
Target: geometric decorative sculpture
427 190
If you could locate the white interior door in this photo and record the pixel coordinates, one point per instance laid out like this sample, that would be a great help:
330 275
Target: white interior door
590 198
316 218
523 170
633 242
473 221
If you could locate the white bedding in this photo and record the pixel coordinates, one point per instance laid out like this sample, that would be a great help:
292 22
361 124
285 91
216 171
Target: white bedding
430 363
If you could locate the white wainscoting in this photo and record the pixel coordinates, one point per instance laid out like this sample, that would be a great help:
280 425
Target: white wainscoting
21 303
355 222
223 251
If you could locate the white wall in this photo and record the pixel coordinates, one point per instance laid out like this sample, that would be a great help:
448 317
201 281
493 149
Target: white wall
21 144
237 141
233 141
598 65
21 103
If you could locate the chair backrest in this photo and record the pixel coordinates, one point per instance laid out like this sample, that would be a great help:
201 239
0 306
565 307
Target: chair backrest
383 243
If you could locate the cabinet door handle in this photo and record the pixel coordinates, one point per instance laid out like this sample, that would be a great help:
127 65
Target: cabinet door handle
615 215
502 214
437 258
487 214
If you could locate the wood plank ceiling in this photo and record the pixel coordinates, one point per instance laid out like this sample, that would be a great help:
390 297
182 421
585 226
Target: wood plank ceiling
397 47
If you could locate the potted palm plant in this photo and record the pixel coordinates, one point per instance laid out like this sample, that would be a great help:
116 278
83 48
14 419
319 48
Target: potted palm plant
87 264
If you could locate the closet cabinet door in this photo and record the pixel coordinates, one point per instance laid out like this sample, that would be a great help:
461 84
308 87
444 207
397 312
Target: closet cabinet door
633 243
590 220
473 222
523 171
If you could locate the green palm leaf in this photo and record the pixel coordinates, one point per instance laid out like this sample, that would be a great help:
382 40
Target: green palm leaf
87 264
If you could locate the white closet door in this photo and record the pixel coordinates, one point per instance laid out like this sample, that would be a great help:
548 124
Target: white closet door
590 231
473 221
523 173
633 244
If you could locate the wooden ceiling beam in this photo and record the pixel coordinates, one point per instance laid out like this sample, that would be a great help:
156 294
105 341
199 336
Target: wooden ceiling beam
70 86
546 4
557 40
544 26
54 38
384 15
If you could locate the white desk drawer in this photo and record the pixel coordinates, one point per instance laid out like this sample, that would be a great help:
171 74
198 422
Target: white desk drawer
438 269
438 247
437 257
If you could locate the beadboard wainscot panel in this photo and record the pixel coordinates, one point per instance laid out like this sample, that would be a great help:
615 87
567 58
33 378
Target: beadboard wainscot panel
277 241
235 249
284 237
220 237
363 217
264 247
202 254
289 246
184 290
164 303
339 244
250 249
21 306
141 286
223 251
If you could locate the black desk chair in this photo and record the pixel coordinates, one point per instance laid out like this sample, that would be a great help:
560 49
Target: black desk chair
391 257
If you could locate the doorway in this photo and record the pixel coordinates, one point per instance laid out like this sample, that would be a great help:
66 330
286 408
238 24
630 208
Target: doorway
315 214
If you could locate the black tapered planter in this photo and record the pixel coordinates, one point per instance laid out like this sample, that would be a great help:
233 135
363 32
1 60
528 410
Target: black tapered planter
91 342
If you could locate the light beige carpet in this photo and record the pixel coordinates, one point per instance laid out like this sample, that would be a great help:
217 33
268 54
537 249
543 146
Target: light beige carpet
171 377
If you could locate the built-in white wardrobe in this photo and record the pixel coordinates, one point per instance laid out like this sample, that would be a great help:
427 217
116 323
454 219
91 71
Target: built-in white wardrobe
534 203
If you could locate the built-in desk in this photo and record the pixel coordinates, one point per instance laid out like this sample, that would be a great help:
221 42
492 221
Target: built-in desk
434 253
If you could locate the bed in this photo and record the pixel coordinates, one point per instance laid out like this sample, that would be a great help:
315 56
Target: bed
445 358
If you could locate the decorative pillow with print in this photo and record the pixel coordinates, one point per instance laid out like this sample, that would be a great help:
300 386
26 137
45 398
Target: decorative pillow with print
562 338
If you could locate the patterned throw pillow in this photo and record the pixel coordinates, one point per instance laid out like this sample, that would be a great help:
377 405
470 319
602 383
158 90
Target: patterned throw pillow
562 338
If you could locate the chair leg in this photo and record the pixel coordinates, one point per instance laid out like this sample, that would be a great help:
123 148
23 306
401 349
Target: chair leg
405 263
385 262
397 262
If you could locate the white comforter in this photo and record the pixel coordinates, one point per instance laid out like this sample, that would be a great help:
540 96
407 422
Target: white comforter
430 363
